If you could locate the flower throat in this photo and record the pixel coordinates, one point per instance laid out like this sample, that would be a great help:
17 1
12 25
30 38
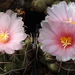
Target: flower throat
4 37
66 41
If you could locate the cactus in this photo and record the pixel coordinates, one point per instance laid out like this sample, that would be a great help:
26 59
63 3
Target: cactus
57 67
48 2
55 2
14 63
39 5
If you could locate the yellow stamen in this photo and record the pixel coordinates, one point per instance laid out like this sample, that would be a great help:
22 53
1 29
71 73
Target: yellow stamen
66 41
70 21
4 37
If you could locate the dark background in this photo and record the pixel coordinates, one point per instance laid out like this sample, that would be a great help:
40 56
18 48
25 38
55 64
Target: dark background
32 20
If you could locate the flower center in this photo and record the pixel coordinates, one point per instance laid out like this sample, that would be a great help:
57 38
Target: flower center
66 41
70 21
4 37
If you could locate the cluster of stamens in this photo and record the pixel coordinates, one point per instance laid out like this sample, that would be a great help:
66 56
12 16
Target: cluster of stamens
66 41
4 37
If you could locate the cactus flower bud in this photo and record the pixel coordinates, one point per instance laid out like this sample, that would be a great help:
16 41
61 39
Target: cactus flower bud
39 5
53 67
48 57
56 2
48 2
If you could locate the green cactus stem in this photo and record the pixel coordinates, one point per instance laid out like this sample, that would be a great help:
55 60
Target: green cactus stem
49 58
39 5
28 43
53 67
56 2
48 2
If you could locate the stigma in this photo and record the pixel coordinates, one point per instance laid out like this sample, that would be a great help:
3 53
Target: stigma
66 41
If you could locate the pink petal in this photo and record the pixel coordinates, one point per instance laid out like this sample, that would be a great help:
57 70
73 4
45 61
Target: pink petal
66 54
50 48
55 12
71 11
45 24
9 51
16 26
9 12
4 22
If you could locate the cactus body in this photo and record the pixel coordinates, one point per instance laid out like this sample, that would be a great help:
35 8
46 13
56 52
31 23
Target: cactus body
14 63
39 5
48 2
58 67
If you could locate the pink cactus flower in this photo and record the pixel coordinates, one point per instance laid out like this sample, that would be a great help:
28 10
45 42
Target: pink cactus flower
58 39
62 12
11 32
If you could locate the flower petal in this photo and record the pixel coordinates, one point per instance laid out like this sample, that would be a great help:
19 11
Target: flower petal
4 22
9 12
55 12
